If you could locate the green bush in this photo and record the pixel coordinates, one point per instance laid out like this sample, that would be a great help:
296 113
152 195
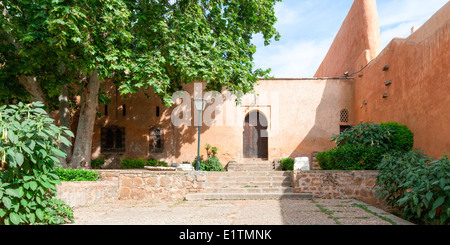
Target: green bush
287 164
212 163
128 163
97 163
361 147
29 150
417 186
69 174
402 139
349 157
365 134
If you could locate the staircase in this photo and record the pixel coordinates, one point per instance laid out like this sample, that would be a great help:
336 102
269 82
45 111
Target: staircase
249 180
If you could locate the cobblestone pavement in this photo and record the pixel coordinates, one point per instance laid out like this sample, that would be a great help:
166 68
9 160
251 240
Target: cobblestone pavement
235 212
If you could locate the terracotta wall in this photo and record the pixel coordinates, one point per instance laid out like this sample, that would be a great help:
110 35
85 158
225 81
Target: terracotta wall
356 43
418 93
302 116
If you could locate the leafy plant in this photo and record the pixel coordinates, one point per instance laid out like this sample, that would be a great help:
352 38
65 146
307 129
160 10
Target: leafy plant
402 139
139 163
97 163
349 157
212 163
362 147
287 164
29 149
69 174
416 185
365 134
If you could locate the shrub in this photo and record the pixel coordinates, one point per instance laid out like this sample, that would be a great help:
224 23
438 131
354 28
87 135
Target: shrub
138 163
416 185
361 147
97 163
287 164
29 150
69 174
349 157
212 163
402 139
365 134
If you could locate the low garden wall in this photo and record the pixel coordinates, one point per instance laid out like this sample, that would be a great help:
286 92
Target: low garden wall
84 193
344 184
133 185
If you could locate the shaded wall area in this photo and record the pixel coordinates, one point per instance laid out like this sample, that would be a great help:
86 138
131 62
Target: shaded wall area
415 89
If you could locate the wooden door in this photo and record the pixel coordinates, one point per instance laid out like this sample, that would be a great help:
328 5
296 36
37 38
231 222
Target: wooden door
255 143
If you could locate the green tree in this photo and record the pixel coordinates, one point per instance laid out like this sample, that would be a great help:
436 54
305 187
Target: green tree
54 44
178 42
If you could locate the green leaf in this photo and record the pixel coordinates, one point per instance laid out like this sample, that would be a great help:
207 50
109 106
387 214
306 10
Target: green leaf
7 202
429 195
40 214
438 202
15 218
19 158
65 141
32 218
13 192
58 152
33 185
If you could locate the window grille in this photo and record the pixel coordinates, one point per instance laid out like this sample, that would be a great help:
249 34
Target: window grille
112 139
344 116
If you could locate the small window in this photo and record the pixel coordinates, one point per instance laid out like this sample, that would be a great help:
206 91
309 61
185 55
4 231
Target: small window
112 139
157 111
344 127
156 140
106 110
124 109
344 116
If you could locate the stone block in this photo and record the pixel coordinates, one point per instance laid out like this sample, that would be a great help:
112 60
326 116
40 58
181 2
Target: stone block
301 164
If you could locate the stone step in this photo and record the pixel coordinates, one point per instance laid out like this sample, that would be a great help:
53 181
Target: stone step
247 196
283 183
249 190
249 173
258 166
246 178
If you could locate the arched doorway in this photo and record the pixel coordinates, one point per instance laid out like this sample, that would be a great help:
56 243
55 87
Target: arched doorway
255 136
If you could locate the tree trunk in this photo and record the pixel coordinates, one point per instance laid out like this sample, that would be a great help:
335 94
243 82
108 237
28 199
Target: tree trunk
81 157
32 87
64 120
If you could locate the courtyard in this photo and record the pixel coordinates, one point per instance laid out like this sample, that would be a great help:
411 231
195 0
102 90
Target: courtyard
235 212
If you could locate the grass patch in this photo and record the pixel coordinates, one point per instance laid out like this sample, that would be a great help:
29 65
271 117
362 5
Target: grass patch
372 212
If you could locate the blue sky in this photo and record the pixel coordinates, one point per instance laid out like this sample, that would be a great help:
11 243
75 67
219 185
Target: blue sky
308 27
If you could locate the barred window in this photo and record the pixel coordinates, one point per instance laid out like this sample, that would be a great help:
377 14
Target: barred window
112 139
344 116
156 140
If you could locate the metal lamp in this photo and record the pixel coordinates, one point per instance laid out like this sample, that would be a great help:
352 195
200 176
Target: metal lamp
199 104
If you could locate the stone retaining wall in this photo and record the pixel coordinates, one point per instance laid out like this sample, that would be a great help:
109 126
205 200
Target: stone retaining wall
84 193
131 184
357 185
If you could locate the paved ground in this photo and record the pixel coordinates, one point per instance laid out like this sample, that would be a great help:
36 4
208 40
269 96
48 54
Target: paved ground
235 212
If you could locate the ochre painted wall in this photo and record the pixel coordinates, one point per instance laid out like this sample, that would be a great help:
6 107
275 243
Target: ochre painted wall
356 43
419 95
302 116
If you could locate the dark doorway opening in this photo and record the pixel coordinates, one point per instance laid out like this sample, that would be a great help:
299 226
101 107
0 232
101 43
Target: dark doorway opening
256 141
